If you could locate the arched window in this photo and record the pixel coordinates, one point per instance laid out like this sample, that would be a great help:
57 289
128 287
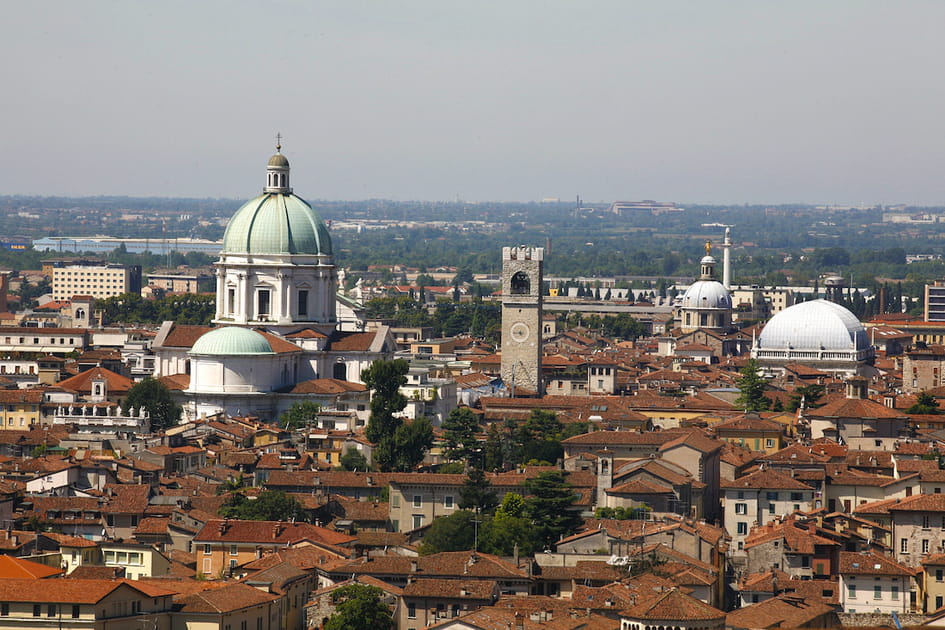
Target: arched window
340 371
520 284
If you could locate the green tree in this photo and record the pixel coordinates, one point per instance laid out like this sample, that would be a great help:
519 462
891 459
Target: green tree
510 528
270 505
752 386
811 395
155 397
353 460
384 379
460 435
549 506
455 532
410 443
360 607
477 494
925 403
493 451
299 415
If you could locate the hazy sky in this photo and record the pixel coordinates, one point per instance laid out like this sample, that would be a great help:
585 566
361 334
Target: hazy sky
716 102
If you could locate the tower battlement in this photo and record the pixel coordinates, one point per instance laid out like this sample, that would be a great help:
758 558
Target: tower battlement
523 252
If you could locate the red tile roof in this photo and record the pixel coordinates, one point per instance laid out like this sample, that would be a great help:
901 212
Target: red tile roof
82 382
853 563
69 591
766 479
673 605
225 599
11 567
268 532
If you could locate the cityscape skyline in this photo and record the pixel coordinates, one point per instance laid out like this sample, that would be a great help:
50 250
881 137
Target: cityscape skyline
694 103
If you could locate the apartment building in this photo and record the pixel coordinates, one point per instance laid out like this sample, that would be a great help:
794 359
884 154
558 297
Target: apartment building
223 545
98 280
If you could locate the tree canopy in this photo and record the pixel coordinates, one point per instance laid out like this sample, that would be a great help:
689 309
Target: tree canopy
460 435
401 445
269 505
155 397
549 506
752 386
299 414
925 403
360 607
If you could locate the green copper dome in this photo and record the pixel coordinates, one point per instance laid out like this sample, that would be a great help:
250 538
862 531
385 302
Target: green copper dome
276 223
231 340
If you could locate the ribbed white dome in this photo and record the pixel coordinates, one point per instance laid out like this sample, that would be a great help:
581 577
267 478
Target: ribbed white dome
815 325
706 294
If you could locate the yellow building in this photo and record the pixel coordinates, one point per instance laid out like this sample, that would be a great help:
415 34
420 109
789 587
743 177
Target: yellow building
19 408
69 604
753 432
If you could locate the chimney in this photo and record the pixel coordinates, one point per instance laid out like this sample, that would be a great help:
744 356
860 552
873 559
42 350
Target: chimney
413 566
276 530
519 621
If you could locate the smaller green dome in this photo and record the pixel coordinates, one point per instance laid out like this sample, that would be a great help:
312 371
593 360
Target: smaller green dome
231 340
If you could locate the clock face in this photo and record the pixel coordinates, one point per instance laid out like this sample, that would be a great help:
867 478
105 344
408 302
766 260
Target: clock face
519 332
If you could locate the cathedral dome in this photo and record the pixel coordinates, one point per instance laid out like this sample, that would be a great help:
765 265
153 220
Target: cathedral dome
231 340
276 223
706 294
814 325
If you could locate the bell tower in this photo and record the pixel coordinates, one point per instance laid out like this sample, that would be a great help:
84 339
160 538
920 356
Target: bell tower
522 279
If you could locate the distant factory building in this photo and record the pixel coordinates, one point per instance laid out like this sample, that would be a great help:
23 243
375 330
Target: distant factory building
106 245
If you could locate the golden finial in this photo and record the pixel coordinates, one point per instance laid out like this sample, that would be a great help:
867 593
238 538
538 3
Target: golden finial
708 248
278 143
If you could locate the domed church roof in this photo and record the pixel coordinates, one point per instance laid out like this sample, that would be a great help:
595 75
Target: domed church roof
706 294
277 222
231 340
814 325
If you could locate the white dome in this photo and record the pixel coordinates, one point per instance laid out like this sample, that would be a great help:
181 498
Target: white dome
815 325
707 294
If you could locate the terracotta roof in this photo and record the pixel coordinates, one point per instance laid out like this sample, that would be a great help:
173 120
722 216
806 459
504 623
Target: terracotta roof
327 386
854 408
352 341
783 611
64 540
621 438
82 382
175 382
225 599
872 563
93 572
445 564
673 605
766 479
747 423
126 498
277 343
69 591
919 503
28 396
268 532
11 567
306 333
452 589
185 335
639 487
